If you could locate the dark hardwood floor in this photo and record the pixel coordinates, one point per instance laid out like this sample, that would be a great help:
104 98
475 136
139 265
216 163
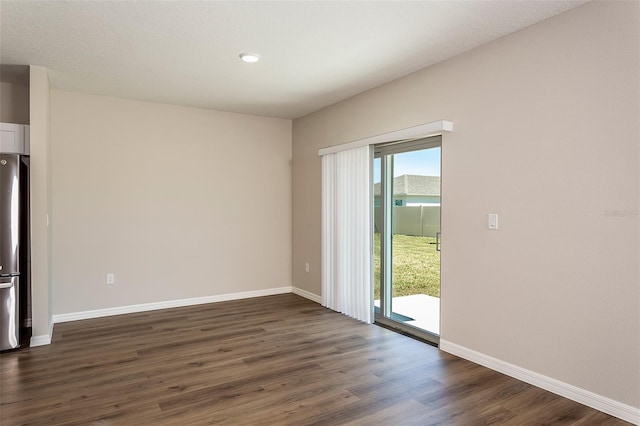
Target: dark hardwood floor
270 360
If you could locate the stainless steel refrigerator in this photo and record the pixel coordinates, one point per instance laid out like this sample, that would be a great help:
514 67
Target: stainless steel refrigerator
14 249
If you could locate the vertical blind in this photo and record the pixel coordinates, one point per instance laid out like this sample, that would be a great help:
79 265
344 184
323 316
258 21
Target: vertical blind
346 233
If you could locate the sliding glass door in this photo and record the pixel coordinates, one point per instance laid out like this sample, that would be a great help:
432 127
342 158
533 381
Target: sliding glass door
406 177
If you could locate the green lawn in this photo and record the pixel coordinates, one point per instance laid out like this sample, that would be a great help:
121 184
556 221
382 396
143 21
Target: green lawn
416 266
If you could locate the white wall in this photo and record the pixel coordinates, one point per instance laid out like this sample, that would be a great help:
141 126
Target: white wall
547 113
165 197
14 103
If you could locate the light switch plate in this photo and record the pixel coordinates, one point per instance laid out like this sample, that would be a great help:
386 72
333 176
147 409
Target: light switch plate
493 221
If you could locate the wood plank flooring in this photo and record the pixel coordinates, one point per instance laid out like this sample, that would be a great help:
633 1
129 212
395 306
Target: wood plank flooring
264 361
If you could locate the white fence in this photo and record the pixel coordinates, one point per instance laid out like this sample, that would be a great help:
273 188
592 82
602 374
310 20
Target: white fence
421 221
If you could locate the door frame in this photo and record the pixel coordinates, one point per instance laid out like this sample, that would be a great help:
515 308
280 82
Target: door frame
382 151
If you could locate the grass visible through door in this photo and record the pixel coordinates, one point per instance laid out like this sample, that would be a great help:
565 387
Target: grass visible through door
416 266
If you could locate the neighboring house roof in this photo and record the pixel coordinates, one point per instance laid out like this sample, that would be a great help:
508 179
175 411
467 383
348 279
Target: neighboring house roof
413 185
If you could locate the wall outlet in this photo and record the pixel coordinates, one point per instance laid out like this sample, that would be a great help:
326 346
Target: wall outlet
111 278
306 267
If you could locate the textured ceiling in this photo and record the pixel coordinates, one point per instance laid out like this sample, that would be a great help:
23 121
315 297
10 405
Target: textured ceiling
314 53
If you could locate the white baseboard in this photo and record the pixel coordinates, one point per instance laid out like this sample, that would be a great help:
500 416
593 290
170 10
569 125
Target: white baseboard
40 340
588 398
130 309
43 339
307 295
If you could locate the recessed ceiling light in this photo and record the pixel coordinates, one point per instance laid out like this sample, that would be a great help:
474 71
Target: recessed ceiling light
249 57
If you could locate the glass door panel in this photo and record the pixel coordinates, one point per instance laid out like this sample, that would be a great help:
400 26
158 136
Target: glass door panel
407 236
377 230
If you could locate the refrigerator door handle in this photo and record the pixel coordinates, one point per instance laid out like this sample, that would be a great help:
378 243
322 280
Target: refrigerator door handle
6 285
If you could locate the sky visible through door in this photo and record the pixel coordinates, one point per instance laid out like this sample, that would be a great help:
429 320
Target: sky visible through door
424 162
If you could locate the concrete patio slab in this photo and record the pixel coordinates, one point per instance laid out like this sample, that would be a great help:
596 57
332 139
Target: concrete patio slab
425 310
